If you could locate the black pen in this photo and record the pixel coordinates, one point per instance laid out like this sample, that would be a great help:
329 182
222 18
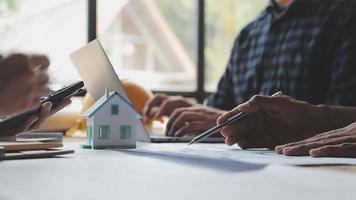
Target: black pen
216 128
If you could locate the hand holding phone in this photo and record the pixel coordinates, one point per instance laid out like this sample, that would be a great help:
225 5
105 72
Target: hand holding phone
55 98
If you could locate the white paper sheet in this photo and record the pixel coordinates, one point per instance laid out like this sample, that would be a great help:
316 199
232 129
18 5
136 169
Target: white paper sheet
112 175
234 153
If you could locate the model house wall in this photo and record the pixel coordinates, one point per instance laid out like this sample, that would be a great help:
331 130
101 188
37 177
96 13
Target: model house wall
112 124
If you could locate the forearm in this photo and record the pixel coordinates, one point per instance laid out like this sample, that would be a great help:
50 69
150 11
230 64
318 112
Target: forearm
334 117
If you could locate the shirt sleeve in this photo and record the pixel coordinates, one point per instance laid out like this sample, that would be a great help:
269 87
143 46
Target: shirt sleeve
343 64
223 98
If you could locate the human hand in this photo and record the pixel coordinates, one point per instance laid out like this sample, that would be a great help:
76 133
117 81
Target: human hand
336 143
192 120
39 59
163 105
34 121
23 81
272 120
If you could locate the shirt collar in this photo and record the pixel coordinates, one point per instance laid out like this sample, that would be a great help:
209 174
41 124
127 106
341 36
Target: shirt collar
278 12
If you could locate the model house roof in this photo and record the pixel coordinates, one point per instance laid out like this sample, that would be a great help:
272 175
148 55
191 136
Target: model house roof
103 100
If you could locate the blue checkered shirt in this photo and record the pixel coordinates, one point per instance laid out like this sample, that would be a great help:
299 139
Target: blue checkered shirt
307 51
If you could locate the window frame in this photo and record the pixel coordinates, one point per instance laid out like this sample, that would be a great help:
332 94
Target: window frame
199 94
100 135
125 128
117 110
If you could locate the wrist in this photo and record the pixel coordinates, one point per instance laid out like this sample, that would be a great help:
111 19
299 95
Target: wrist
334 117
324 117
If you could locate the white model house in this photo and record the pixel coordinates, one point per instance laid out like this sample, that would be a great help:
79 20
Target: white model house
111 122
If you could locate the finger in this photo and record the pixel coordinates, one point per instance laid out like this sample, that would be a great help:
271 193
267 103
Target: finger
183 118
60 106
227 115
42 92
34 104
246 144
230 140
40 60
340 150
165 109
155 101
258 102
193 128
304 149
149 117
45 109
236 130
43 115
279 149
42 78
244 130
327 135
36 93
27 124
172 118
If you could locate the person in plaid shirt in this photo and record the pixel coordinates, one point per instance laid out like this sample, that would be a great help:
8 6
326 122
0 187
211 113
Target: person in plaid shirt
304 48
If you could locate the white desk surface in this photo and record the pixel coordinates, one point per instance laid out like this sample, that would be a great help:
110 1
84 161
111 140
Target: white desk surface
109 174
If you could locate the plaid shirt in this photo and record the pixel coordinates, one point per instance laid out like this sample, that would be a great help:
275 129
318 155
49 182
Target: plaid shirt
307 51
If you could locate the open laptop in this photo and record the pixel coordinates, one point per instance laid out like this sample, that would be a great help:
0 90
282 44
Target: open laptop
97 72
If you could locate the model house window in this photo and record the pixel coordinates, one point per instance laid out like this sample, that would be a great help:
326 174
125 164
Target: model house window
104 132
114 109
125 132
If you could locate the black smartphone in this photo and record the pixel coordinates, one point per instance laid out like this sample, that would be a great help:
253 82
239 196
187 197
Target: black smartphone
55 97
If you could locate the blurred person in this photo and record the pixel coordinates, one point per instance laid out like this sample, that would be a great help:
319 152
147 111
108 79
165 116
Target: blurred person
304 48
23 82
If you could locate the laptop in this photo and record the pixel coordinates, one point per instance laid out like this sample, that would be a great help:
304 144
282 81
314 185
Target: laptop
97 72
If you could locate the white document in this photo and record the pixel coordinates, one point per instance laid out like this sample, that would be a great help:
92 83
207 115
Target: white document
234 153
112 175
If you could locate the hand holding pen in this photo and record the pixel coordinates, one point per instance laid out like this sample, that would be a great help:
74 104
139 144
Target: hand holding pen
231 120
273 121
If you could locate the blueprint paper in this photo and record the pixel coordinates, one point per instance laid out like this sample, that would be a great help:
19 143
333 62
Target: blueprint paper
234 153
112 175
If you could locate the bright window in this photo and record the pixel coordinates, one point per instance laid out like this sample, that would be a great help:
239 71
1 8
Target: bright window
155 41
152 42
224 20
55 28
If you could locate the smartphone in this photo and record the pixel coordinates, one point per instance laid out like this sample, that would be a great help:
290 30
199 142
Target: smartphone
55 97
